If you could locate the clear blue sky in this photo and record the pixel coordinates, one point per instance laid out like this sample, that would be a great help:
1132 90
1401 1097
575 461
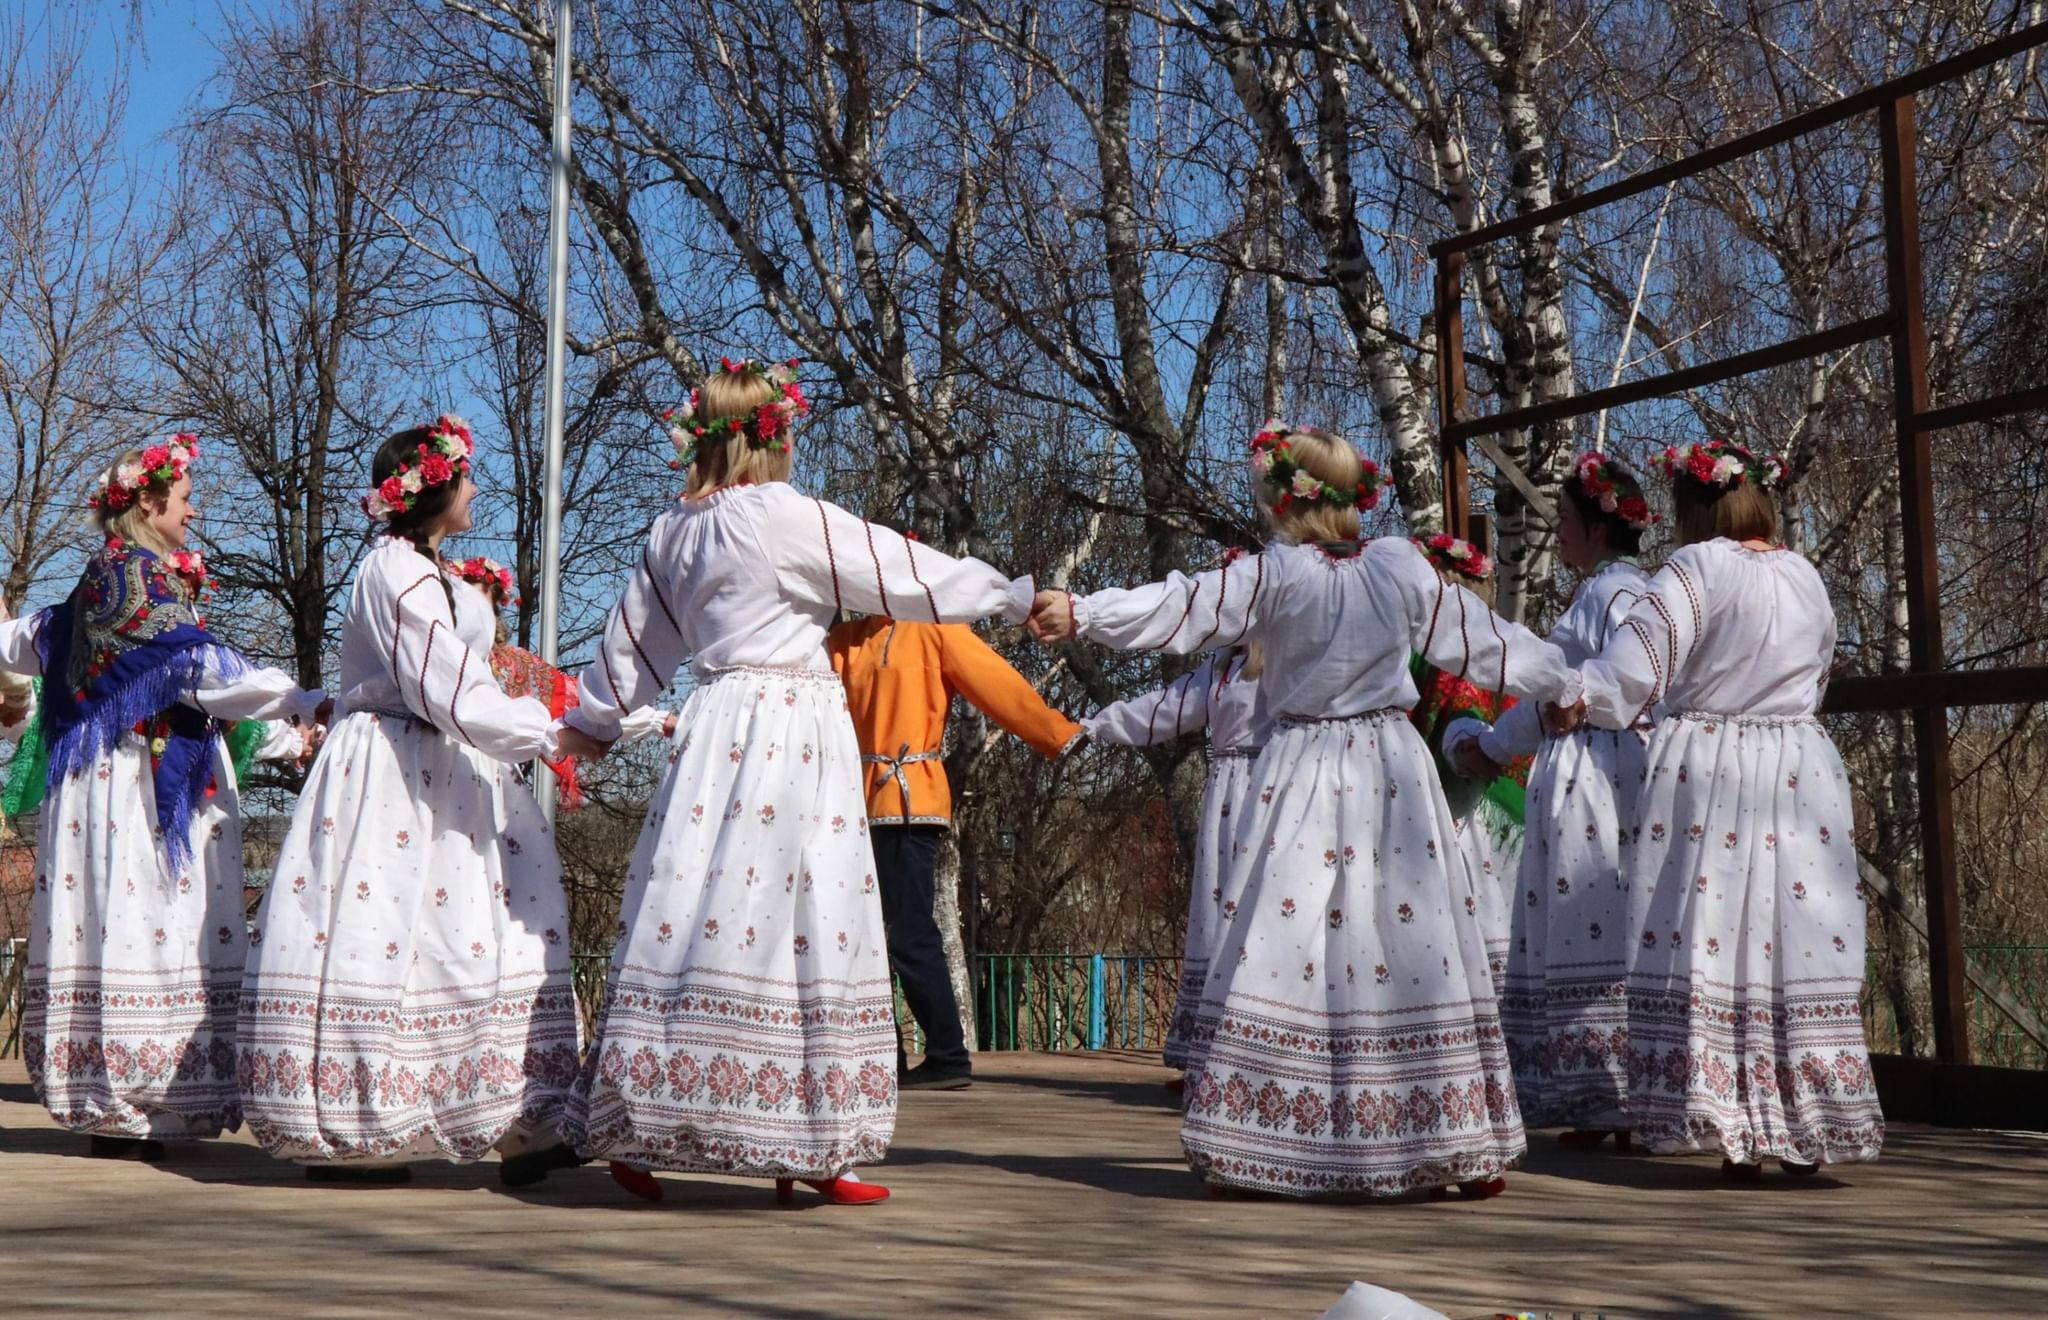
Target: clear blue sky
168 53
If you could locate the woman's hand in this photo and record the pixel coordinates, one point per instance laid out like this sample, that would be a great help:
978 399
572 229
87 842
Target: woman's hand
1560 720
1052 617
574 742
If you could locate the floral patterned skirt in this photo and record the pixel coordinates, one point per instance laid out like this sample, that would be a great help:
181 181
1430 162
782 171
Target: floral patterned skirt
1745 1031
408 983
1574 919
1347 1039
1223 799
133 972
747 1024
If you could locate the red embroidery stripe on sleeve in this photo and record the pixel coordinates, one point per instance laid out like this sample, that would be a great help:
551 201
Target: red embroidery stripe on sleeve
1670 632
1251 606
1180 714
612 679
831 561
1429 637
1656 670
633 637
398 623
910 553
881 589
654 586
461 672
1194 590
426 660
1692 596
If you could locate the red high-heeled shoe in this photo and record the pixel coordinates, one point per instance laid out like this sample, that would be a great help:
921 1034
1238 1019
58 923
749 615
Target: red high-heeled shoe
1740 1173
1177 1084
639 1182
1475 1189
836 1191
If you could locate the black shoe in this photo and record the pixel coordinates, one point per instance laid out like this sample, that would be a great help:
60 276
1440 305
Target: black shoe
532 1166
929 1076
362 1175
144 1149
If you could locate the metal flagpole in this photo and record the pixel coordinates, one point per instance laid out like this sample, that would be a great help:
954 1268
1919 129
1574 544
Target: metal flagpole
558 315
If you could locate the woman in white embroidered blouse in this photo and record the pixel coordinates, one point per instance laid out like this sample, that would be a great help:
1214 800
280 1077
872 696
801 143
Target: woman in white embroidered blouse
1745 1031
1220 695
136 931
408 990
1573 916
1354 965
747 1022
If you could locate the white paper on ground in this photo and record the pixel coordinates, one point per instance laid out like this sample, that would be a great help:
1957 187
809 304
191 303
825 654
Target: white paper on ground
1362 1301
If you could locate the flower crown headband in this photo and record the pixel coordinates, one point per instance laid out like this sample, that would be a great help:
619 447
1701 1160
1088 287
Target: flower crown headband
487 573
772 420
164 462
1722 463
443 456
1600 477
1449 554
1273 461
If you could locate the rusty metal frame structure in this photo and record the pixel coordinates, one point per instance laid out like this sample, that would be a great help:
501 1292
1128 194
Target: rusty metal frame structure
1930 688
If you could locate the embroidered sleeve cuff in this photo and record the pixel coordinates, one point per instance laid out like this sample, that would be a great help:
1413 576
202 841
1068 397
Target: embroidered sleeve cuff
603 726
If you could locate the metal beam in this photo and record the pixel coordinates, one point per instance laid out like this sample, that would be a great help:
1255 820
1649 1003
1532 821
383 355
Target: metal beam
551 407
1834 112
1908 314
2018 685
1671 382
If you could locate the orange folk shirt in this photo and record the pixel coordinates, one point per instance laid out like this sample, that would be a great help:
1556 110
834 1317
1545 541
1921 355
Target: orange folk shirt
900 679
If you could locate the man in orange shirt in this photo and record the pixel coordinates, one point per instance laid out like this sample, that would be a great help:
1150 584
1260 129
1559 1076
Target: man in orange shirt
900 679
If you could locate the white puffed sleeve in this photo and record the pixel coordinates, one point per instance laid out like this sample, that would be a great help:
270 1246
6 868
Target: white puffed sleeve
1160 715
441 680
1181 615
826 556
1650 647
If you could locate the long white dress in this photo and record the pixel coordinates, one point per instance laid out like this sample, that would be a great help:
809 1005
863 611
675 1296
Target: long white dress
1348 1040
1574 916
1217 696
1745 1031
747 1024
407 990
134 967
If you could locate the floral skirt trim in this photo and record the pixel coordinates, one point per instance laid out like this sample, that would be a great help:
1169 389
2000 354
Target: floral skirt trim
1304 1109
138 1059
714 1075
1754 1080
327 1081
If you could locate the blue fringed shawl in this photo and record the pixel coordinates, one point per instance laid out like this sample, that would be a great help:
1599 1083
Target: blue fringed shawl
125 647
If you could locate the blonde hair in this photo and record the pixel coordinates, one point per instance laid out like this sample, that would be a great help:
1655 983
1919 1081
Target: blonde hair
1700 512
132 523
1329 458
736 458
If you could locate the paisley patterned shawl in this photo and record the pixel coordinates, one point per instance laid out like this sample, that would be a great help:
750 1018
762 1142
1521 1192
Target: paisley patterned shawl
1446 697
523 674
122 651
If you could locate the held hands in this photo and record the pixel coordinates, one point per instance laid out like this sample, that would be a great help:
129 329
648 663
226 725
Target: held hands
1052 617
668 726
1560 720
310 738
572 741
13 708
1472 763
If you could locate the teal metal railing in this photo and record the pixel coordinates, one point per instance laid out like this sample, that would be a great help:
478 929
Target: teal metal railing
1074 1001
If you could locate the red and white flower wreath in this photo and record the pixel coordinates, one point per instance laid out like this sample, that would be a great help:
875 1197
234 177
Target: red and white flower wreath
161 463
1598 475
442 458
